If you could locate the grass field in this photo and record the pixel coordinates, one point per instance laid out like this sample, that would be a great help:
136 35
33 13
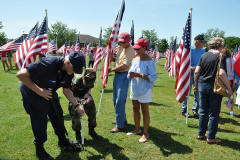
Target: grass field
170 137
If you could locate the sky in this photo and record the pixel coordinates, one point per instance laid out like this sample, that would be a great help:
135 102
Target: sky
166 17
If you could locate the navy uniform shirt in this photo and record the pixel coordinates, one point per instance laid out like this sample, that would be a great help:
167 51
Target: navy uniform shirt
47 74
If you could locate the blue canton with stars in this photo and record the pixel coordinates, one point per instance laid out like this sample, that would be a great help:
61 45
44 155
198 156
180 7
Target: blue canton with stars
187 33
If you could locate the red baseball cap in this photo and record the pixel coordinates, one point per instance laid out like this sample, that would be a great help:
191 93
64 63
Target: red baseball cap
124 37
140 43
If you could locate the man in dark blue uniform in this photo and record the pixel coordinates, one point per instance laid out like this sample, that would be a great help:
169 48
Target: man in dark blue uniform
40 99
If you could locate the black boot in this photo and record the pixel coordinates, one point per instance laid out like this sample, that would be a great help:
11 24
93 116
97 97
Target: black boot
92 133
41 153
78 137
66 146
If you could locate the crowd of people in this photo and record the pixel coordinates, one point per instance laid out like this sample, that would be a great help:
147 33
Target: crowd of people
39 82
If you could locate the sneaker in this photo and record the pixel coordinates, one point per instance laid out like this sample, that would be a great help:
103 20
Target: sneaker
195 114
231 114
185 114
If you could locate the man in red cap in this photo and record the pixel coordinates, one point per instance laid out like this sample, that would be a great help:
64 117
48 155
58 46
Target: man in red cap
120 84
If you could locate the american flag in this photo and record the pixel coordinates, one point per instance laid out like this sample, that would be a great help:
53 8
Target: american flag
84 51
174 70
149 48
77 45
167 63
39 44
183 77
6 46
171 59
66 48
132 34
61 49
156 52
53 45
13 45
89 47
72 48
235 52
237 64
113 40
24 48
99 52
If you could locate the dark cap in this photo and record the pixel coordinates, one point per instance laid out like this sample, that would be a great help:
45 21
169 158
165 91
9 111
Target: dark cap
140 43
200 37
78 61
124 37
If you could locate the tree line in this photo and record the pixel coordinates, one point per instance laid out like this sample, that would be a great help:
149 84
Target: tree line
61 31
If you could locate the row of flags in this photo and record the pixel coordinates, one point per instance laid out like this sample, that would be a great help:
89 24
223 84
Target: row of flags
177 64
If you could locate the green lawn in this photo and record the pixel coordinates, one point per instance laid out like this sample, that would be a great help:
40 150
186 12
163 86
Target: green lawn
170 137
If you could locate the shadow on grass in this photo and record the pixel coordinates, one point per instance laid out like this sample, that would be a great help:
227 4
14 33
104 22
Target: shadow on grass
219 129
103 146
229 120
68 156
231 144
164 141
155 104
166 144
157 86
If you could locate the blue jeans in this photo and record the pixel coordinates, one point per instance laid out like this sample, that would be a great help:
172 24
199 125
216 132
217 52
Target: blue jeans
210 105
120 93
196 97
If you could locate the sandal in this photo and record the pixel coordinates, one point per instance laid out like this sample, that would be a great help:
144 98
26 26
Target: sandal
133 132
214 141
202 137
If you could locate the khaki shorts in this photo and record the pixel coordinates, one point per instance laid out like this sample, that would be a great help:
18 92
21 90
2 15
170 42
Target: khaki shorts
4 58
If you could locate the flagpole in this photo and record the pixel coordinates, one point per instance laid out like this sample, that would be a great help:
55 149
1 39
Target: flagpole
190 70
56 45
100 102
47 32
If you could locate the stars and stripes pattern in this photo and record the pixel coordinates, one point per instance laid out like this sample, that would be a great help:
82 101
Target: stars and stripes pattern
113 40
183 77
13 45
99 52
53 45
6 46
84 51
66 48
149 49
89 47
72 48
23 49
156 52
61 49
175 64
235 52
39 44
167 63
77 45
171 59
